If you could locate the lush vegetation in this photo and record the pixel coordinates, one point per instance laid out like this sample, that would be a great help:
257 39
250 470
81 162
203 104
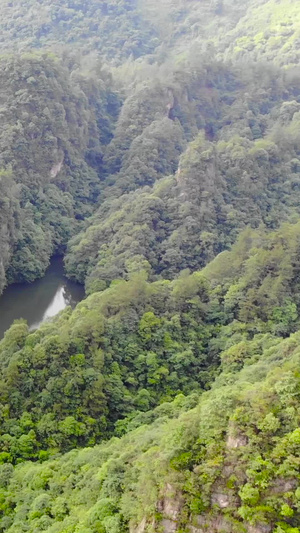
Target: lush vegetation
240 168
49 140
156 146
231 463
115 27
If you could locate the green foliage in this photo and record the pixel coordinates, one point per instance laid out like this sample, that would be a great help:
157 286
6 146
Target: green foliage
169 170
47 186
222 450
227 178
121 352
115 28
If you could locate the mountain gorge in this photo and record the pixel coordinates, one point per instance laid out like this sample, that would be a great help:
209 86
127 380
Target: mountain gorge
156 146
48 131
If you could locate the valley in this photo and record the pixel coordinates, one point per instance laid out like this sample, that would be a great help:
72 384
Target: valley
149 266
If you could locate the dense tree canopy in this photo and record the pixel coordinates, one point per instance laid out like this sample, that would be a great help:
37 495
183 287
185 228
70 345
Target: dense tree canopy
50 119
156 146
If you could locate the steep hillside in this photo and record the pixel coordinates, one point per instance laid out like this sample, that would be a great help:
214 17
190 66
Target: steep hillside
242 168
157 30
137 344
268 32
226 459
230 463
50 122
156 145
115 28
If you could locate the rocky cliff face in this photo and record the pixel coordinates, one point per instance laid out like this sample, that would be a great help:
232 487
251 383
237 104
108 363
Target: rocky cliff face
172 509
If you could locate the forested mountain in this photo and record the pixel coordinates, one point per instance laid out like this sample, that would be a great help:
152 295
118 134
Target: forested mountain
156 146
116 27
48 135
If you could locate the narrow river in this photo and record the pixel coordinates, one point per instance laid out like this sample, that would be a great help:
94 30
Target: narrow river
39 300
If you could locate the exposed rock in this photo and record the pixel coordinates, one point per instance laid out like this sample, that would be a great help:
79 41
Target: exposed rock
56 169
235 440
142 527
227 470
220 499
172 503
170 506
206 524
171 103
168 526
283 485
259 528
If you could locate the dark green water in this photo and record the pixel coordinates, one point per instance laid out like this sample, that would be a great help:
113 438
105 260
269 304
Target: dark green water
39 300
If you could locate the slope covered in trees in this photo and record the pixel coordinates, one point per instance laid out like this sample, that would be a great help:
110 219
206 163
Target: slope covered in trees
156 145
226 460
115 28
48 136
241 168
231 462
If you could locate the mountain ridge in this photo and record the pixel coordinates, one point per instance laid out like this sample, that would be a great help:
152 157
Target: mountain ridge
156 146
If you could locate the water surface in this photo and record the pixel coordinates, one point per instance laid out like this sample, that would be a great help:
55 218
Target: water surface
40 300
